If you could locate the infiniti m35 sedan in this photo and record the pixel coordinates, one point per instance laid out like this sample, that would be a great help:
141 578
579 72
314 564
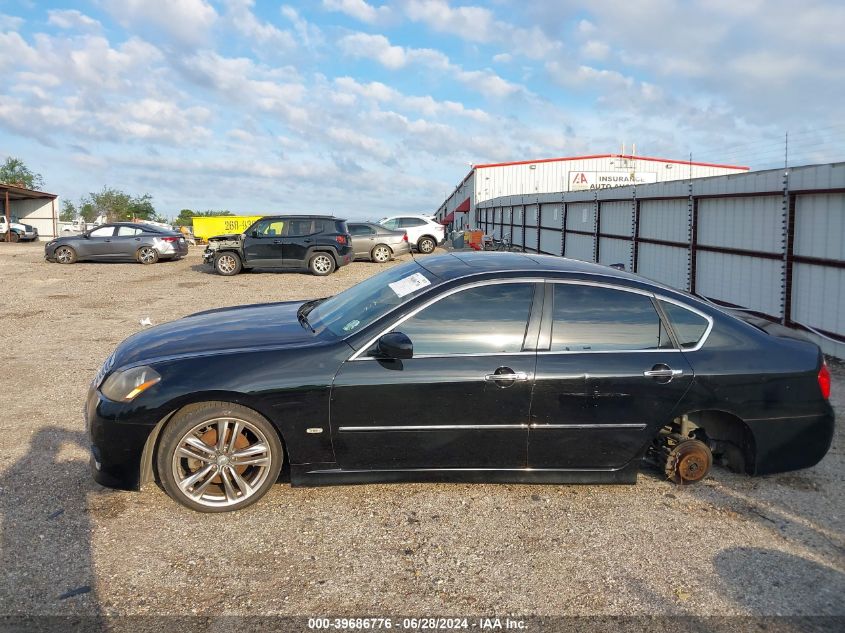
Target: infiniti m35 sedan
497 367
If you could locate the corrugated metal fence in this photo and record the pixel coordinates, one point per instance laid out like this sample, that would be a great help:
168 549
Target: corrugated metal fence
772 242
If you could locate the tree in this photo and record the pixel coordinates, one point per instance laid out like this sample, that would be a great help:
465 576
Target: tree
185 217
68 213
117 205
15 172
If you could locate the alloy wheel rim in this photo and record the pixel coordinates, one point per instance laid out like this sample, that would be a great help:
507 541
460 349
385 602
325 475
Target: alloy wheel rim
63 255
322 264
226 264
381 254
221 462
147 255
427 246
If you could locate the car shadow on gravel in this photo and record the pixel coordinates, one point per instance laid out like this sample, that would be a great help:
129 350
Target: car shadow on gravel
46 534
767 580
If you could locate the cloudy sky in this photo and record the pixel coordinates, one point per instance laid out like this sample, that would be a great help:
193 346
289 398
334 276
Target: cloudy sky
363 107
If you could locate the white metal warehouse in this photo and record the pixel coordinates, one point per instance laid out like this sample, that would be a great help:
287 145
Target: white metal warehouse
27 206
576 173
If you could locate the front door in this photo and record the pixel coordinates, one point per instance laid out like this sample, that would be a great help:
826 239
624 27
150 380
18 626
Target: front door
99 244
264 244
608 377
461 402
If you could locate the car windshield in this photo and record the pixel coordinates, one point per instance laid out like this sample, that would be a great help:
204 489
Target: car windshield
363 303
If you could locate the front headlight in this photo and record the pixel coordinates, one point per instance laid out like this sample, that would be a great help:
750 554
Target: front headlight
126 385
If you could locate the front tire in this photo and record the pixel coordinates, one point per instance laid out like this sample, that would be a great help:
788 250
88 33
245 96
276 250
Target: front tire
14 237
381 254
426 245
147 255
321 264
227 264
65 255
218 457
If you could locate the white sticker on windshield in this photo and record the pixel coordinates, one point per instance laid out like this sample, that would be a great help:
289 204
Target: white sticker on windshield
409 284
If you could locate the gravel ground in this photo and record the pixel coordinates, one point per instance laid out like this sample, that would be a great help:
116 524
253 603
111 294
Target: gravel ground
731 546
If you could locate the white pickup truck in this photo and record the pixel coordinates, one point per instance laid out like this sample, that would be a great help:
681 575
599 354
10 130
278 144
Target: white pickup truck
20 232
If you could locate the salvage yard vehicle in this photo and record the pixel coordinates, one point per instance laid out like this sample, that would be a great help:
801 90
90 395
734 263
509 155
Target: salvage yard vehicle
118 241
377 243
506 367
424 232
318 243
18 232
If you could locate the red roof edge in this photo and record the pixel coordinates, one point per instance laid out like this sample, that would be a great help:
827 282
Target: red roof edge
657 160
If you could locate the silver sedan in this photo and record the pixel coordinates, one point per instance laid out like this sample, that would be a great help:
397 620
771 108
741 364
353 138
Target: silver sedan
377 243
119 241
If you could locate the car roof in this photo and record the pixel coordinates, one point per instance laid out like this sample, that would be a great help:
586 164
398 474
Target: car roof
408 215
464 263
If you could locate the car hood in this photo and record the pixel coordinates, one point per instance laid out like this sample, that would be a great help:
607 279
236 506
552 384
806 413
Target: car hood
241 327
225 238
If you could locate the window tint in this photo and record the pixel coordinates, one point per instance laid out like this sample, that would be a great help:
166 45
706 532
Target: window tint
361 229
128 231
688 325
405 223
591 318
300 227
270 228
103 231
486 319
391 224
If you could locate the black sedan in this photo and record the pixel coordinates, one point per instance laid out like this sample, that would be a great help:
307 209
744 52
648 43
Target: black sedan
469 366
119 241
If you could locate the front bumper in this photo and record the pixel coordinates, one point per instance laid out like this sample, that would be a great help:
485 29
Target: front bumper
117 436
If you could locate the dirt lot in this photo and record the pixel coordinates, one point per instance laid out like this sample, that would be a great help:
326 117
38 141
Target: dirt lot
733 545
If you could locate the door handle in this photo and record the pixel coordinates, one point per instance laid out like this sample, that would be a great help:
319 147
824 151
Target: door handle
137 239
277 241
307 241
519 375
663 373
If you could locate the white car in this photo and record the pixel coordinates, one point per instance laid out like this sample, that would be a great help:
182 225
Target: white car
423 231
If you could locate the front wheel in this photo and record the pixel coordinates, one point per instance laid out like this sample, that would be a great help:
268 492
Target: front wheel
147 255
218 457
426 245
227 264
321 264
14 237
65 255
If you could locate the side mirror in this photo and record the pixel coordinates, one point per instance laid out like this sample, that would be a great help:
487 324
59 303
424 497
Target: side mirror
253 233
395 345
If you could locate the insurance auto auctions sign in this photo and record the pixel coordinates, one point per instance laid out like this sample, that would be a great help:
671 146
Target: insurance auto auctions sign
584 180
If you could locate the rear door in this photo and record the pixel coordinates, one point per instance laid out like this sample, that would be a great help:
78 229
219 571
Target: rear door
127 241
298 239
363 239
608 377
461 402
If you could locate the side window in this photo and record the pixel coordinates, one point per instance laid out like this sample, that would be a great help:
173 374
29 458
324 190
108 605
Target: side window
391 224
482 320
103 231
359 229
270 228
688 325
405 223
128 231
298 228
592 318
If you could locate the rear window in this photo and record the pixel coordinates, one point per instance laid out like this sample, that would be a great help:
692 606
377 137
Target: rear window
340 227
689 326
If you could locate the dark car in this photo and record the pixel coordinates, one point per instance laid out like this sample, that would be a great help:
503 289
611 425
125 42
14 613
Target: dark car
378 243
119 241
468 366
318 243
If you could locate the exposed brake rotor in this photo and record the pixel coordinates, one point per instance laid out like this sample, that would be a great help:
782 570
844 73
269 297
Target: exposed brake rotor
687 462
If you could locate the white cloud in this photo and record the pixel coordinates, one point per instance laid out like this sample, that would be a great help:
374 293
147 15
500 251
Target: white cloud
260 34
10 22
187 22
360 10
503 58
72 19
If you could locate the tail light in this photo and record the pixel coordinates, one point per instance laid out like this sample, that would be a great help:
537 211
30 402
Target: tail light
340 239
170 239
405 237
824 381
